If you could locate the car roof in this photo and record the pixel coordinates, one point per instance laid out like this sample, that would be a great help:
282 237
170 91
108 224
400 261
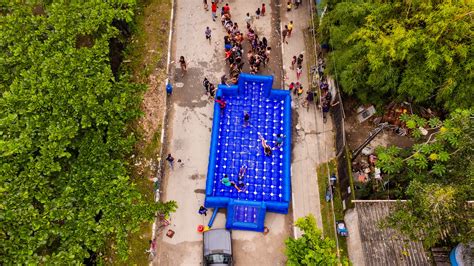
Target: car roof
217 241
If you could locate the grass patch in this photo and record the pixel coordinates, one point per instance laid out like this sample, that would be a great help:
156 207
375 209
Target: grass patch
145 53
147 48
326 208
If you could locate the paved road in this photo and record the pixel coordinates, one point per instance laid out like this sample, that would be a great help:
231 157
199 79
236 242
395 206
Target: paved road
189 128
190 121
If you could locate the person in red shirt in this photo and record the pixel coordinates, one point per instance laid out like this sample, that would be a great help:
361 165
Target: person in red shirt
214 10
227 8
262 10
221 102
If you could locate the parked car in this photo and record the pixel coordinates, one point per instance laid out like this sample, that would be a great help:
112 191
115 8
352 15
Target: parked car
217 247
342 229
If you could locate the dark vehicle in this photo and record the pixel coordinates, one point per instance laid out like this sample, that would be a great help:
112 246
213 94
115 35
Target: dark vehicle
217 247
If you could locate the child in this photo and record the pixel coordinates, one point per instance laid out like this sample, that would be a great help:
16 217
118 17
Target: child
299 70
291 87
290 28
212 90
170 160
288 6
263 10
183 65
279 140
206 84
246 119
300 91
202 210
169 89
257 13
299 61
293 63
267 150
208 34
221 102
284 34
242 171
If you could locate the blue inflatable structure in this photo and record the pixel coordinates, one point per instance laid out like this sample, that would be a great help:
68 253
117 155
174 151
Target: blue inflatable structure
236 145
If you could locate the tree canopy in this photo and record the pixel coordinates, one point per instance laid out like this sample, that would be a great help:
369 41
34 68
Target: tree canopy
63 139
437 177
311 248
418 51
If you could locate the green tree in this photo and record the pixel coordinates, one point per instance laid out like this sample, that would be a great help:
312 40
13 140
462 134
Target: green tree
440 179
65 189
420 51
311 248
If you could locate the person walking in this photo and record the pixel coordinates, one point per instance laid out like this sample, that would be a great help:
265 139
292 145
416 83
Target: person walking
208 33
170 161
257 13
297 3
226 9
263 10
184 66
206 84
284 34
293 63
214 11
248 20
299 61
290 28
299 70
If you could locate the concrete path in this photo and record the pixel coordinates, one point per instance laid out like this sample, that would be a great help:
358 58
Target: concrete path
354 244
313 140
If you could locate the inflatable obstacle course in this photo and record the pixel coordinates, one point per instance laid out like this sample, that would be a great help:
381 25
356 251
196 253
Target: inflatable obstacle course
236 145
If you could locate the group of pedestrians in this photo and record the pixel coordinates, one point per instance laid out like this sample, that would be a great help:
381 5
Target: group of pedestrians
326 96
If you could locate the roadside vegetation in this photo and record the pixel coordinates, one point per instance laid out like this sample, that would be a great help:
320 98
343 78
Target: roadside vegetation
66 107
421 53
416 51
312 248
329 215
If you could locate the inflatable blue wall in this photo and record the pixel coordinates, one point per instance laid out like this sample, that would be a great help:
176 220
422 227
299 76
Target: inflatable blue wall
236 145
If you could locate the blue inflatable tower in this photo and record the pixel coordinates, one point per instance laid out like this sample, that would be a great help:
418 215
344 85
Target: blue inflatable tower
236 145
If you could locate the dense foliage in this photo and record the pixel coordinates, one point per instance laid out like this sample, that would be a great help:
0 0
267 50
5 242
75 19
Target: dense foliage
437 178
418 51
64 183
311 248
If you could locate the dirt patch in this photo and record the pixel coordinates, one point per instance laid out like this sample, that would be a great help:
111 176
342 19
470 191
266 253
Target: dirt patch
357 132
196 177
200 191
153 105
86 40
167 252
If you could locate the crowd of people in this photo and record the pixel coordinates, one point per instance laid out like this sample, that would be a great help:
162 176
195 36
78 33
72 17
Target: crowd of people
258 54
325 94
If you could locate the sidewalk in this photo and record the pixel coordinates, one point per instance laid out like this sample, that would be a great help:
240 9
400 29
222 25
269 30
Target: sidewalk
313 140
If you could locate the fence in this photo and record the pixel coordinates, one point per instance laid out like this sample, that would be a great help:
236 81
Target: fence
343 168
